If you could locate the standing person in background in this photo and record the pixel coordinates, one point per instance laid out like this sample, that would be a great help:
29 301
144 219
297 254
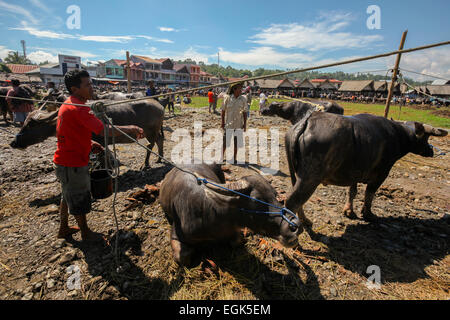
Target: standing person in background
19 108
151 91
262 101
216 97
234 117
171 101
211 100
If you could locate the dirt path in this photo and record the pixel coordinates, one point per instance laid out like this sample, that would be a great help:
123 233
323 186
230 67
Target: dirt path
410 243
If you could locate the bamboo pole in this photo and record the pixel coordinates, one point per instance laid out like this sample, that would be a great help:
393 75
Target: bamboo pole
394 75
128 73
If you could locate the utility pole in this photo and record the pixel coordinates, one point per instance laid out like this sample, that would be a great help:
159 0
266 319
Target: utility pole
128 73
24 48
394 75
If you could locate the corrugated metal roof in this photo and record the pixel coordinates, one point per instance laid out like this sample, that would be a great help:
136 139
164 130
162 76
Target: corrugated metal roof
440 82
147 59
21 68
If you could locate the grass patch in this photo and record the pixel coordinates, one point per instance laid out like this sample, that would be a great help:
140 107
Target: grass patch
406 114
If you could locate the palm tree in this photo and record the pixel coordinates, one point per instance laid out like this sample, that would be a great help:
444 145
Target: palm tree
4 68
14 58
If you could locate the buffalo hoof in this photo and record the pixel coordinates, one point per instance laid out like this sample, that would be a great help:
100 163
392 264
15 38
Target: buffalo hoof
350 214
369 216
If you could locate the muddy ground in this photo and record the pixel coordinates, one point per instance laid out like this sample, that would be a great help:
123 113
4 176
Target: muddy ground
409 243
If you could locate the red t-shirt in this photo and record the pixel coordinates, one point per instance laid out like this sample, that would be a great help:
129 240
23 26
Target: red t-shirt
210 97
74 130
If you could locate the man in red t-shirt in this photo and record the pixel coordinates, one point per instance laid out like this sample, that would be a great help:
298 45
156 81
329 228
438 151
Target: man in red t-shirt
74 130
211 100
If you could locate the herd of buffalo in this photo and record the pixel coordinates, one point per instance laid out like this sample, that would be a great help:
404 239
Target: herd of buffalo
322 146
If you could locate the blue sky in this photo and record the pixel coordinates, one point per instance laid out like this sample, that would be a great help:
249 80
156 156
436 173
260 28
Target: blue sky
248 34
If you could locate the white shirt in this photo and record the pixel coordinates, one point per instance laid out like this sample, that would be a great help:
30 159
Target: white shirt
234 109
262 98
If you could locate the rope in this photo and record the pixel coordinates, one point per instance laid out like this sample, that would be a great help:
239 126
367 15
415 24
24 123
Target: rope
280 213
424 74
12 134
318 107
98 109
420 92
382 55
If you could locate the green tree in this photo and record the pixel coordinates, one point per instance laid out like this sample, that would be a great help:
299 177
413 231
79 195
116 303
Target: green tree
4 68
14 58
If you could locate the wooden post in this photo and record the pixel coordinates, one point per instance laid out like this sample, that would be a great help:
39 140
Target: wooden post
394 75
128 73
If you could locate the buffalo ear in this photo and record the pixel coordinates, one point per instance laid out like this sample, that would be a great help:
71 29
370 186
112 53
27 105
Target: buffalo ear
419 129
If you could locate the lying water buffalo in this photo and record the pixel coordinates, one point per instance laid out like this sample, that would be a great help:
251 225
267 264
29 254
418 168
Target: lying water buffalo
148 115
345 150
294 111
205 213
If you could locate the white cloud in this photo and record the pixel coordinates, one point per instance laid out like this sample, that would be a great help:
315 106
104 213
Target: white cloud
70 52
191 53
168 29
119 39
4 52
40 5
42 56
155 39
94 38
42 33
15 9
435 62
165 29
265 56
324 34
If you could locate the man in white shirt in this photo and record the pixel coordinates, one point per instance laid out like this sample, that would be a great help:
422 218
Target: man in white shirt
262 101
234 117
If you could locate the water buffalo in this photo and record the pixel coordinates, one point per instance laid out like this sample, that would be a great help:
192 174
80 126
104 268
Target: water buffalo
345 150
202 213
148 115
294 111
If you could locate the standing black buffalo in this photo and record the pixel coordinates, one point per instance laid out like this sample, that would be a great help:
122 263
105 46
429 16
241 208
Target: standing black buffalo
345 150
206 213
148 115
294 111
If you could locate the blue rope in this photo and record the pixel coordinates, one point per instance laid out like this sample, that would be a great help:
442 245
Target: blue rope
441 153
281 213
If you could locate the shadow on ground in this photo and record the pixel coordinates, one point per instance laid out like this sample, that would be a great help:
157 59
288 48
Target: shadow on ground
401 246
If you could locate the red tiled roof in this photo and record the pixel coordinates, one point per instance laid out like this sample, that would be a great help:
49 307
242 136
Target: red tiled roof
323 80
21 68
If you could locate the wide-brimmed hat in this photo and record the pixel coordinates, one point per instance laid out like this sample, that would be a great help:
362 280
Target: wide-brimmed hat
234 85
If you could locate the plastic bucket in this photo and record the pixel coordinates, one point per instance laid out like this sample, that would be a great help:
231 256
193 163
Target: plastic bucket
101 184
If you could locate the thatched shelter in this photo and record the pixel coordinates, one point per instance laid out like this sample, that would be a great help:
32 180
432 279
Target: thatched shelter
381 87
357 86
269 84
442 91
